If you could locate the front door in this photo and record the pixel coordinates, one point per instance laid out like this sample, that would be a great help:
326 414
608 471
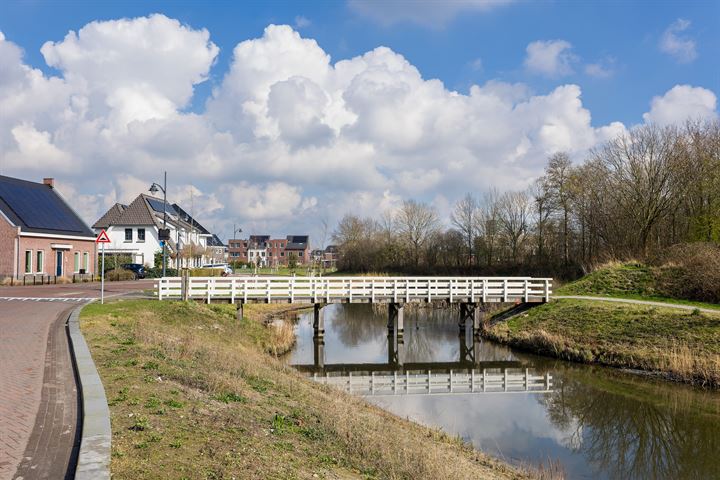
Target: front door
59 263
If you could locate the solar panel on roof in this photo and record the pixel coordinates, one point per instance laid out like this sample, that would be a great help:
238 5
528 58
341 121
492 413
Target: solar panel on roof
157 205
39 207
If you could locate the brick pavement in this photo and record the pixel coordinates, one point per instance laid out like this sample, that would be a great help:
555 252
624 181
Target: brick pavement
24 329
38 397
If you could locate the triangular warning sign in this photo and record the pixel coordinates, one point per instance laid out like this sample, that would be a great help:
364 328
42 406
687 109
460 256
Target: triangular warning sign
103 237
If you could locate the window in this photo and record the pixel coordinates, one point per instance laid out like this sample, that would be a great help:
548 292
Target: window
76 265
86 262
282 254
128 234
28 261
39 263
141 234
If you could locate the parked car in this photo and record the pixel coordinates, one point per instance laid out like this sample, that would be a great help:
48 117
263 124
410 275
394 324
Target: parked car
226 270
137 268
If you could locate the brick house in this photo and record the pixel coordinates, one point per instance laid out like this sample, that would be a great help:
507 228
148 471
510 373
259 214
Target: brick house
40 234
270 252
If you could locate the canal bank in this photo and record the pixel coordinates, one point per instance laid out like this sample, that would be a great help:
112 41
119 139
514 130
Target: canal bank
193 395
594 422
674 344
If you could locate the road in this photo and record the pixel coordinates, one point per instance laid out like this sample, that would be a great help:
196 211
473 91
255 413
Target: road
39 423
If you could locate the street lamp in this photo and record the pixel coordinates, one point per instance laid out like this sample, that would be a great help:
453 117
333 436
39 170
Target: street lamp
154 189
235 232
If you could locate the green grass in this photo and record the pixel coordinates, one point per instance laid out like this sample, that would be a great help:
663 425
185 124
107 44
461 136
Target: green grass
682 344
193 395
634 281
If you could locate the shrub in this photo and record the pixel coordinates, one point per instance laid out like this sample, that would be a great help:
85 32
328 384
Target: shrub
119 274
156 272
690 271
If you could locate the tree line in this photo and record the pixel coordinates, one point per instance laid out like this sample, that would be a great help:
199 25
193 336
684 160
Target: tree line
639 193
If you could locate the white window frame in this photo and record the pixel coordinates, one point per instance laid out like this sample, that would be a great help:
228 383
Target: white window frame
40 261
28 264
86 261
76 262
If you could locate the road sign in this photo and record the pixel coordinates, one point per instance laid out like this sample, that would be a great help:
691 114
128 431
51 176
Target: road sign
103 237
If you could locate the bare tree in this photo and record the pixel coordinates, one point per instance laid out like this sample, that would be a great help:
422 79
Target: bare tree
416 222
514 215
557 175
466 218
489 231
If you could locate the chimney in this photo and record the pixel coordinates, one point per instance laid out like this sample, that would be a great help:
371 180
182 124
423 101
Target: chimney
50 182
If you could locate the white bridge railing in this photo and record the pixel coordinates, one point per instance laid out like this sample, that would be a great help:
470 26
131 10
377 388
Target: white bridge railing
438 383
356 289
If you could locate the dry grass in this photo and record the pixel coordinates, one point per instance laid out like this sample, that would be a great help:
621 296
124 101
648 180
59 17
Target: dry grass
192 395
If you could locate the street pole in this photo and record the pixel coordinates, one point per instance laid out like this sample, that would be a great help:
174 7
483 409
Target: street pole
102 276
164 223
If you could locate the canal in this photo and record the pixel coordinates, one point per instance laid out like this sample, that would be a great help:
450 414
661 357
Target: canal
595 422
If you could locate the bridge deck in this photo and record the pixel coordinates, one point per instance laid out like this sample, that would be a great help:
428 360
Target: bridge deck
356 289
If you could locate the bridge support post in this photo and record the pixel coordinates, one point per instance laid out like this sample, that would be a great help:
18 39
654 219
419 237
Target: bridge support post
239 313
319 352
470 313
396 314
318 321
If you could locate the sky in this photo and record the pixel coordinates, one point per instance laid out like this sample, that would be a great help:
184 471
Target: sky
278 117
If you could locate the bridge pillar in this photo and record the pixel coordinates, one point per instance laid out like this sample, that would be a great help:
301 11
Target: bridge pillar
319 352
396 315
318 321
470 313
396 349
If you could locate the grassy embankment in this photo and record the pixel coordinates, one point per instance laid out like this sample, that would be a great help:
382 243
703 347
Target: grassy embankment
635 281
678 344
193 394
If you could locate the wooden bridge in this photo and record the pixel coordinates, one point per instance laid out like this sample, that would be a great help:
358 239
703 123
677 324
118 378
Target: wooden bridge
468 292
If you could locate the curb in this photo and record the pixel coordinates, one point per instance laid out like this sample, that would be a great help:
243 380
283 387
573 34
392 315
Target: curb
94 456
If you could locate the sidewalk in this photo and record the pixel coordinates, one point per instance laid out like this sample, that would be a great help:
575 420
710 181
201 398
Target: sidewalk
38 399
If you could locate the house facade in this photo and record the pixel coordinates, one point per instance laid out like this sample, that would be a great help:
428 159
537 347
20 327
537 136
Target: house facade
264 251
134 232
40 234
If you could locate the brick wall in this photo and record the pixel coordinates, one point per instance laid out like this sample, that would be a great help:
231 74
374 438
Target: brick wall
50 255
8 234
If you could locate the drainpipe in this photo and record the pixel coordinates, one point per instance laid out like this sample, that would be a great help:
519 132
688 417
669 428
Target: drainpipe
16 269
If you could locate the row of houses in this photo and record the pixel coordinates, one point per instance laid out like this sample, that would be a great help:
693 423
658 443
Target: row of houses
40 234
134 232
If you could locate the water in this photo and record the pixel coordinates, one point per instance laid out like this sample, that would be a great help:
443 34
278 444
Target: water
596 422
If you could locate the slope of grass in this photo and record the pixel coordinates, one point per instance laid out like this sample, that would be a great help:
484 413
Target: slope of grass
682 345
193 395
635 281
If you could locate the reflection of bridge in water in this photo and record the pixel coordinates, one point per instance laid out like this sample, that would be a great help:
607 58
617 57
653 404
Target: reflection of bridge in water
429 382
468 374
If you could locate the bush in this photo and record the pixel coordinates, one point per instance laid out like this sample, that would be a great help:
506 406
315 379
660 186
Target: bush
119 274
690 271
156 272
206 272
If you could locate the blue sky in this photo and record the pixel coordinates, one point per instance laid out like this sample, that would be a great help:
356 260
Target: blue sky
277 137
624 33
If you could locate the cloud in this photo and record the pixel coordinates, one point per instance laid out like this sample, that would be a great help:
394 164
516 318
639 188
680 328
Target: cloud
601 69
680 47
288 134
476 65
680 103
425 13
302 22
550 58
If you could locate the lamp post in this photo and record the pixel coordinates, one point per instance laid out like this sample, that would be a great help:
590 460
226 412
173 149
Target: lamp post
154 189
235 231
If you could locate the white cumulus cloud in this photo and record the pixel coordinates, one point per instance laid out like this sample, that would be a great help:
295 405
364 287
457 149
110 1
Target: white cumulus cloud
288 135
680 103
551 58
